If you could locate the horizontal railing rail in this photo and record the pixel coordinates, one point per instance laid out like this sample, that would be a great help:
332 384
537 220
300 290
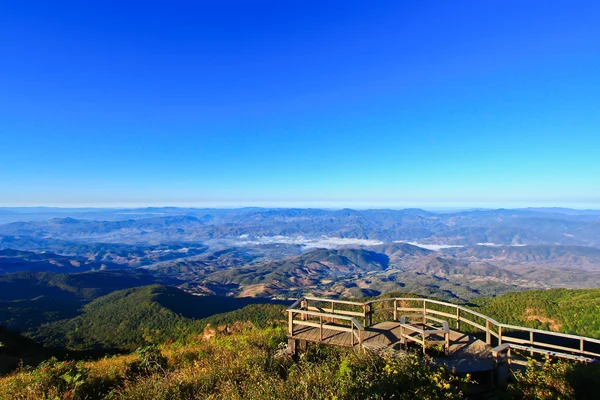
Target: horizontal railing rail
506 348
354 329
535 340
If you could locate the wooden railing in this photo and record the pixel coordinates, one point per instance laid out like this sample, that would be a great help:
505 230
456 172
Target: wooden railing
504 353
495 333
325 321
422 334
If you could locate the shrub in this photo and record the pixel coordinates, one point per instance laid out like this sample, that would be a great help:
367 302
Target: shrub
150 360
52 379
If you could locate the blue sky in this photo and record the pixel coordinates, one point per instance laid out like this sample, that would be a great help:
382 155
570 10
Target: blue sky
300 103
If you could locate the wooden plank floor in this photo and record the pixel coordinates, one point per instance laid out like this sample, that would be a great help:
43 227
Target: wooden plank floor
383 334
467 353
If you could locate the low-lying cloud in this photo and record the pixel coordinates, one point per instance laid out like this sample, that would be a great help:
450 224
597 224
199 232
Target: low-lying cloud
434 247
322 242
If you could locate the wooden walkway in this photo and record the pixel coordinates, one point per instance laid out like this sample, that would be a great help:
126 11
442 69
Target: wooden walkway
466 353
426 322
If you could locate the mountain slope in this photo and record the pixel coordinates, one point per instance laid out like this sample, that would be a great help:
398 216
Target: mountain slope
17 260
561 310
29 299
303 271
129 318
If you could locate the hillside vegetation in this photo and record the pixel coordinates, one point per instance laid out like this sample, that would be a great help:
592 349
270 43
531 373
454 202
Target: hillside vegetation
560 310
241 354
245 365
126 319
30 299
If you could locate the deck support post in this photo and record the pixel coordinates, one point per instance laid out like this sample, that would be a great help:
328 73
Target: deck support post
291 323
488 335
447 344
395 310
291 349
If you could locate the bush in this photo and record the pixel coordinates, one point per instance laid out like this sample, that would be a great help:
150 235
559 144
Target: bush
557 379
52 379
150 361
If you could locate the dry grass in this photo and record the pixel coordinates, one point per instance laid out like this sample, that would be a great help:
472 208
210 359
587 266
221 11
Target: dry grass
244 365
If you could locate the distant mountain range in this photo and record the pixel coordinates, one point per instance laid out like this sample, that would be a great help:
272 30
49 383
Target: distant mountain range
287 252
505 227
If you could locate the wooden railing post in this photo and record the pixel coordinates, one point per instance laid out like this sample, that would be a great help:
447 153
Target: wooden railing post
364 307
332 310
424 314
395 310
304 306
291 323
402 335
531 341
499 335
320 328
352 333
581 341
457 319
488 335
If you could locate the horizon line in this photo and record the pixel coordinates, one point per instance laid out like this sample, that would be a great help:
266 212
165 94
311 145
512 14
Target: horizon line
297 206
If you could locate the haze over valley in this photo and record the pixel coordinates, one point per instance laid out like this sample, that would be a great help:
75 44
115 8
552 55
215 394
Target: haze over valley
282 253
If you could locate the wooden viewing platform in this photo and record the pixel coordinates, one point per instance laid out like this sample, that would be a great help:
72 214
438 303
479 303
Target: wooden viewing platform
394 323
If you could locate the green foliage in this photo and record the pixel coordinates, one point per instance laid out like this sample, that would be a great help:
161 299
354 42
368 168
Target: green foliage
127 319
150 361
52 379
556 379
252 364
545 383
562 310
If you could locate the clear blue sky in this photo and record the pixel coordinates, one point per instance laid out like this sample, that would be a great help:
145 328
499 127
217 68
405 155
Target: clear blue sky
400 103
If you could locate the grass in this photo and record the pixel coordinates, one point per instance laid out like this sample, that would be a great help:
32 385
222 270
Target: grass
251 364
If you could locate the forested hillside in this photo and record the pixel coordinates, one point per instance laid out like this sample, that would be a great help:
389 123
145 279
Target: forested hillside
126 319
560 310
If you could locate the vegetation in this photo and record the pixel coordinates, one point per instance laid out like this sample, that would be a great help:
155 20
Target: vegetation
556 379
126 319
246 365
181 355
560 310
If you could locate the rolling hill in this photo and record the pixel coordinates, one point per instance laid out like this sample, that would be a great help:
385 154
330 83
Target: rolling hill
126 319
18 260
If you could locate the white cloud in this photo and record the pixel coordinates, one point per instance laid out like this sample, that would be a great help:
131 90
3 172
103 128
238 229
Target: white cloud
322 242
500 245
434 247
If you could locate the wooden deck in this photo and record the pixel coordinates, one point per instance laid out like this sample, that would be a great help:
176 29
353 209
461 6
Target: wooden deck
427 322
381 335
466 353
